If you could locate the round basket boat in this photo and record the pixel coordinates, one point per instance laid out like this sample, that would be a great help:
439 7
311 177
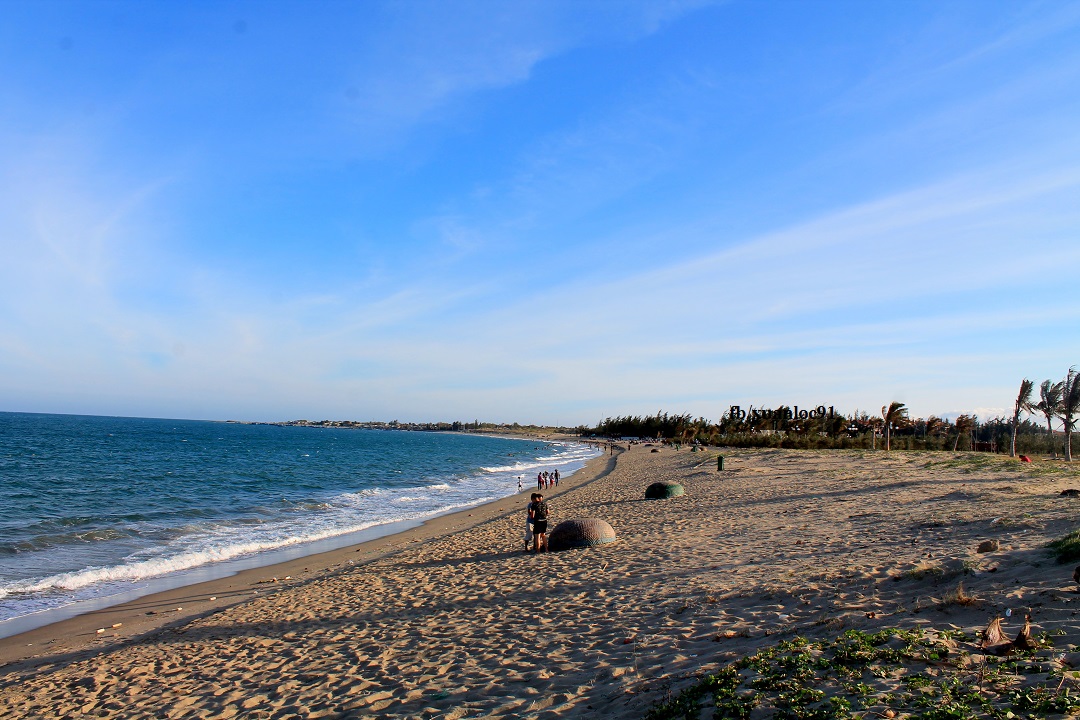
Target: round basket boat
587 532
662 490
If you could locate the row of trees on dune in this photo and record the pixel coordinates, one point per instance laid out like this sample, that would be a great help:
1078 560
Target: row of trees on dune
1023 432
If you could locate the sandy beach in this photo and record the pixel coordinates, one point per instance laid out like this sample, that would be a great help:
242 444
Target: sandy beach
452 620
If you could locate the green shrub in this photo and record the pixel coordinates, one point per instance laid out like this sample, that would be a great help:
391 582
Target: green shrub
1066 549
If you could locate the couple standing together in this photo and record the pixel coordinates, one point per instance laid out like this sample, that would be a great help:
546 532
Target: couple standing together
536 523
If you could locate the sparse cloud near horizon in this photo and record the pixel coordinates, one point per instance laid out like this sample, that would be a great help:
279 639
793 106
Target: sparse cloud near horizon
536 212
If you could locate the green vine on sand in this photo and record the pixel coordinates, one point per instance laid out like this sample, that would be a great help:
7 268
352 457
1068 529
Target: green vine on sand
892 673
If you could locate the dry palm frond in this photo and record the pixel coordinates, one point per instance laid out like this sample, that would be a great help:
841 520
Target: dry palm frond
992 634
994 643
1023 639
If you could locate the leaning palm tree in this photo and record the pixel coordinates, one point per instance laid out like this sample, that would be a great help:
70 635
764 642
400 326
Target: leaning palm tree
933 426
894 414
1049 402
964 424
1070 408
1023 405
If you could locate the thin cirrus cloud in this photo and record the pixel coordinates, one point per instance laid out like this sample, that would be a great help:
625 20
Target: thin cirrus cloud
817 291
430 56
736 319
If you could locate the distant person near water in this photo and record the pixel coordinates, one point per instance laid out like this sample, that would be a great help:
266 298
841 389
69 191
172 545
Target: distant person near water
556 476
539 481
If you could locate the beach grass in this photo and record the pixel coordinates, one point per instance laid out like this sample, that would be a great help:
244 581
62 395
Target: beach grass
1066 549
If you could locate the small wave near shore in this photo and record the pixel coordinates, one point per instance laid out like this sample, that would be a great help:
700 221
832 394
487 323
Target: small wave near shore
95 513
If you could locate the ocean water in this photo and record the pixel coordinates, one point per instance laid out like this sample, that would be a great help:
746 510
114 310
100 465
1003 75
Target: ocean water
99 507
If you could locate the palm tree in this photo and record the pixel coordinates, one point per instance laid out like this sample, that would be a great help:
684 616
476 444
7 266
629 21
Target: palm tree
894 414
934 424
964 424
1023 404
701 429
874 423
1070 408
1049 402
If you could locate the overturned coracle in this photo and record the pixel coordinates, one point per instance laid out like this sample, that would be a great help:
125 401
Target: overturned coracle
585 532
662 490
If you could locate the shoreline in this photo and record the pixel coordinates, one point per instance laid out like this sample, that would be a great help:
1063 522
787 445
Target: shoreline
111 580
157 610
452 620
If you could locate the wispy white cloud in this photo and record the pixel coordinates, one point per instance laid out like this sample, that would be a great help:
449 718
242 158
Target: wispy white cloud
761 320
813 304
430 55
950 237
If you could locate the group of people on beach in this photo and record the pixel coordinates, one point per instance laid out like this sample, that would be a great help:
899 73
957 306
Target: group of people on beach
544 480
547 480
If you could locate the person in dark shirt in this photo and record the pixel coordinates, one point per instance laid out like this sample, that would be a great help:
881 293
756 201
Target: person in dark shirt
529 521
538 511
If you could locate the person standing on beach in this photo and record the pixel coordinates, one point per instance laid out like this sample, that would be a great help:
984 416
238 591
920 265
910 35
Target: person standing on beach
538 511
539 481
529 521
556 477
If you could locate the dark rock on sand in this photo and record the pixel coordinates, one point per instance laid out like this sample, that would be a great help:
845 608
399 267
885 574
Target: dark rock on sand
988 546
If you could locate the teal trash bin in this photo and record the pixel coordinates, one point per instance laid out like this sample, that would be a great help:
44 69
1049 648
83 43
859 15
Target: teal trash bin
719 462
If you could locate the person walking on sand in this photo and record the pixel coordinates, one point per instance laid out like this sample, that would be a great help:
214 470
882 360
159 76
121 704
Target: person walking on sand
529 521
538 511
539 481
519 482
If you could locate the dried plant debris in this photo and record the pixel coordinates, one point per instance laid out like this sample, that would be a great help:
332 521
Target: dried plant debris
994 642
992 634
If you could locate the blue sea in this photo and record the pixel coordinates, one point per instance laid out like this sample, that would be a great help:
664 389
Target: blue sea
100 509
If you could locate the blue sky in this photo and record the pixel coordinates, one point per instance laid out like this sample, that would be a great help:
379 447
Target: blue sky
543 212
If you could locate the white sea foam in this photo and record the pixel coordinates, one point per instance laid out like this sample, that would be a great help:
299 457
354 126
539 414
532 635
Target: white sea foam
511 468
158 566
200 545
570 454
145 569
